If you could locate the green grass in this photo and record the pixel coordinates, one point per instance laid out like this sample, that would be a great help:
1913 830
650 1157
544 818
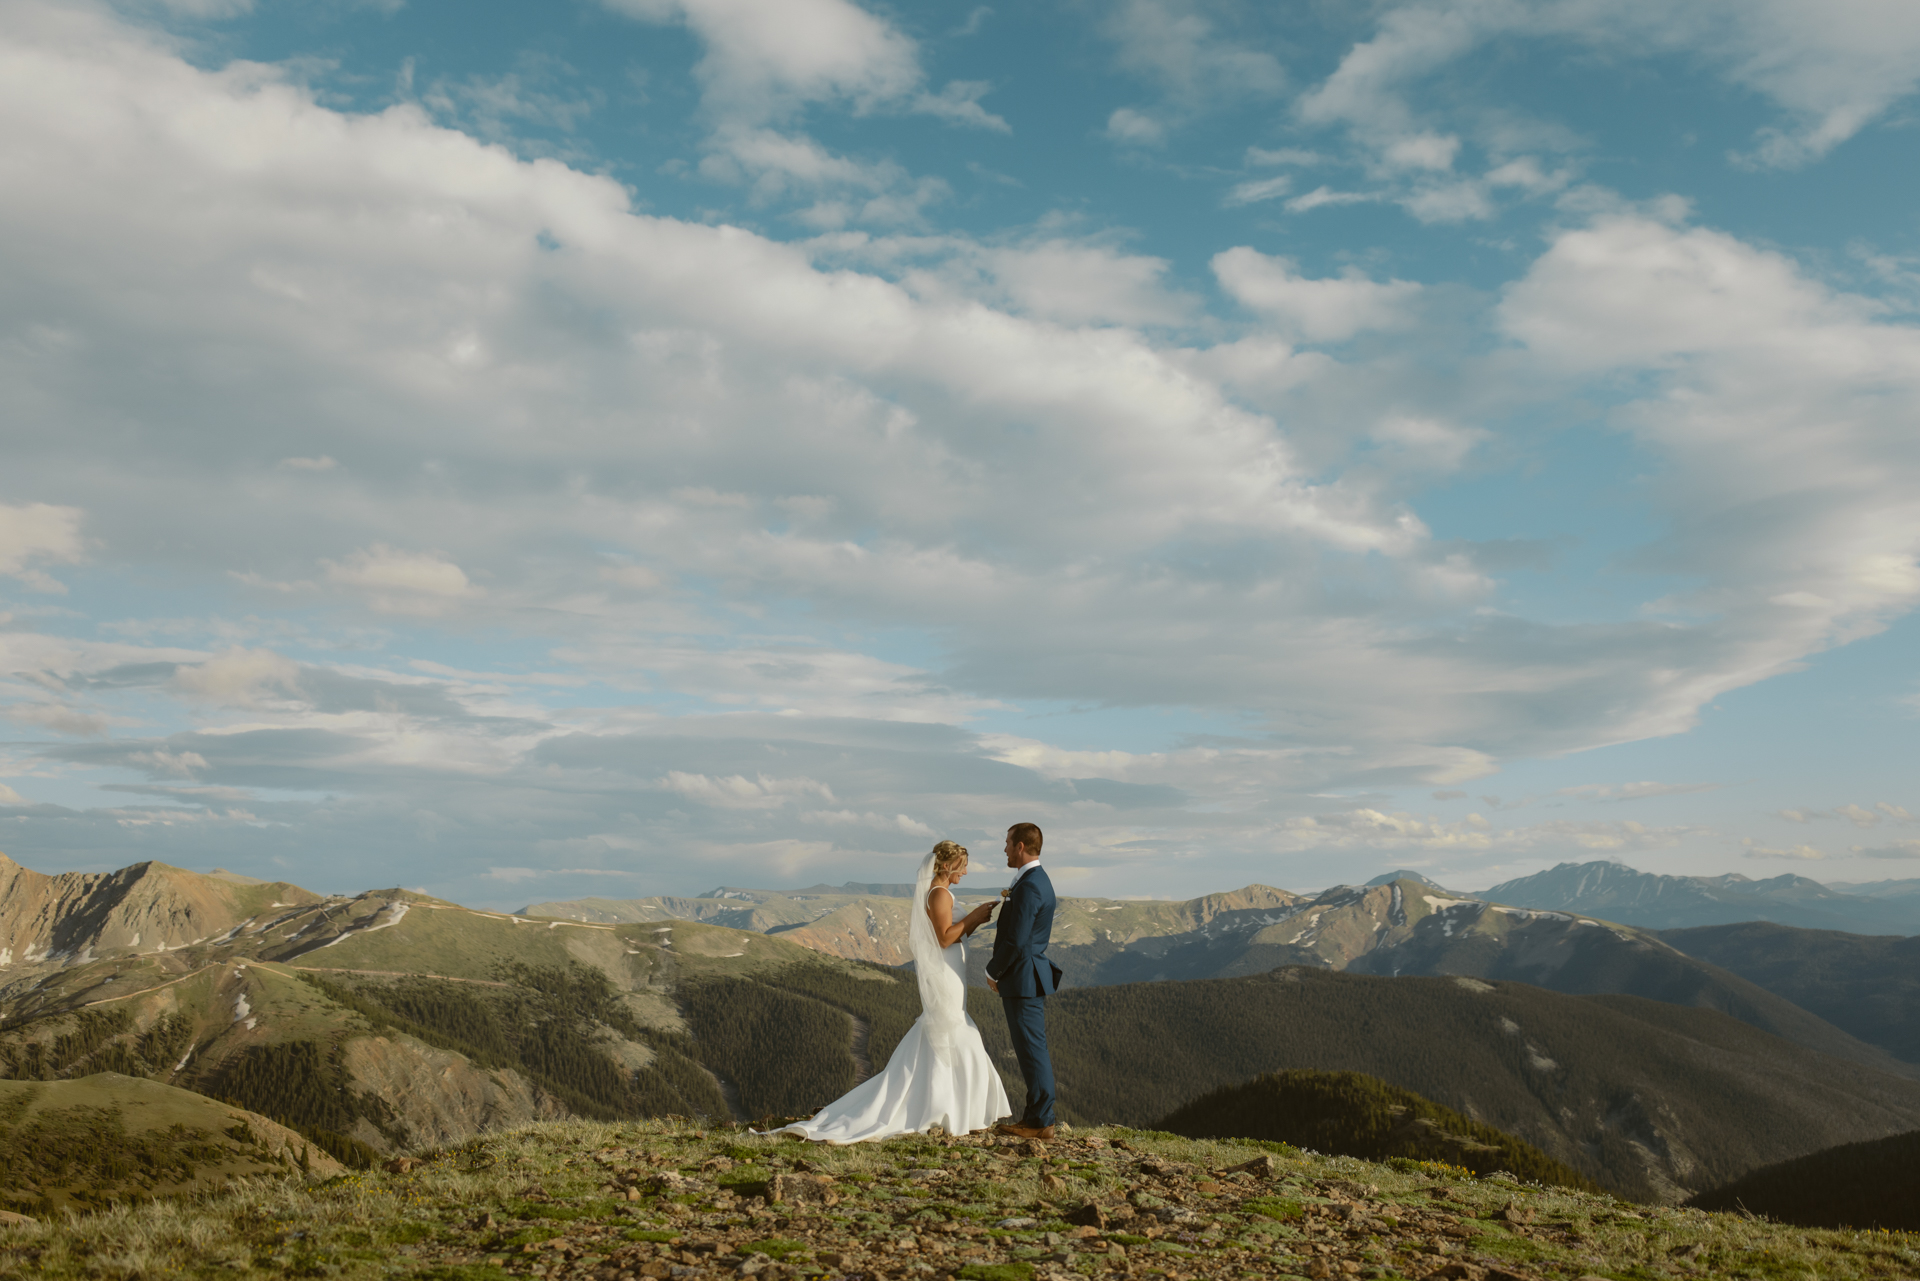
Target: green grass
432 1222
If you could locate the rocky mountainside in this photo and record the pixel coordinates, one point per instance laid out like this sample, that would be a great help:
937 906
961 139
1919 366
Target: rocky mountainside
1406 926
392 1019
868 926
149 907
1614 892
388 1019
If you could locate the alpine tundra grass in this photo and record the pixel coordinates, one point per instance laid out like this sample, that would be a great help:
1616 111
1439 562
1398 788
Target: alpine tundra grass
623 1201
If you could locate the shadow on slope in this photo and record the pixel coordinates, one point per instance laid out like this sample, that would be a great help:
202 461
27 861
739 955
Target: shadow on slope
1856 1185
1653 1101
1351 1114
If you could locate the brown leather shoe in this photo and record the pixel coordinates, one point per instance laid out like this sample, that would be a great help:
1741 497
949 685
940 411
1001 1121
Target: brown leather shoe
1023 1131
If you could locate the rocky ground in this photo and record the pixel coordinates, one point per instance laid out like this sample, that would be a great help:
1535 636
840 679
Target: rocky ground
590 1202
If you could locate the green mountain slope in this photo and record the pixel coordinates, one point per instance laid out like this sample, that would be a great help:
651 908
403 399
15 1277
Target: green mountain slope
1875 1184
1652 1100
1350 1114
391 1020
107 1139
1867 985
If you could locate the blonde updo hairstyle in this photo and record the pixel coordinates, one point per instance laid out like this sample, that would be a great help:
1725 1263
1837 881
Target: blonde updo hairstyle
947 855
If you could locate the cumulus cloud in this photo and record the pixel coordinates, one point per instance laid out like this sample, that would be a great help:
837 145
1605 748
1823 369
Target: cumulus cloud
755 524
1791 484
765 60
1135 128
1326 310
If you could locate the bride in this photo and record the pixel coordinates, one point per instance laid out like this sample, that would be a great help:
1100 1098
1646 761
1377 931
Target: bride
939 1073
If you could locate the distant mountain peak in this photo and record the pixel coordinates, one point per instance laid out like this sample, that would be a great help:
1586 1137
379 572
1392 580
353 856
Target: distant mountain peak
1613 891
1405 874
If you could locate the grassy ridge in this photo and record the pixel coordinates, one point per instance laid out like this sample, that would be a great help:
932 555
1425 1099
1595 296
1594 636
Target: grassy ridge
111 1139
1356 1115
540 1201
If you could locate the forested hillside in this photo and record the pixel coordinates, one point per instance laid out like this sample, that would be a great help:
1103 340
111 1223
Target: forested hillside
1867 985
1351 1114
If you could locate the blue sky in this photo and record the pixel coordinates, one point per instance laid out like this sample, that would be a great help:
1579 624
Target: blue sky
626 446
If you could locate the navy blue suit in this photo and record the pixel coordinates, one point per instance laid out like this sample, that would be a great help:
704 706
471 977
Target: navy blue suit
1026 978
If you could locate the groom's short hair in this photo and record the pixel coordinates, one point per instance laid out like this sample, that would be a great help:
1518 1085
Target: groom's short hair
1026 835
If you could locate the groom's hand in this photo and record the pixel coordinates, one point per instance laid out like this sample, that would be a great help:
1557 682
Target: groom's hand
993 987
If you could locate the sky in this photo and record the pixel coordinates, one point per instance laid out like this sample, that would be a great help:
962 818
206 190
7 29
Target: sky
625 447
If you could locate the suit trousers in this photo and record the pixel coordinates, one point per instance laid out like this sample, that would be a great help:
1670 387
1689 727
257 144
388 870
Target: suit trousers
1027 1026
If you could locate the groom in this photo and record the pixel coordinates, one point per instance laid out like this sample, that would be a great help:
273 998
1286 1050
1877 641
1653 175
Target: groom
1023 976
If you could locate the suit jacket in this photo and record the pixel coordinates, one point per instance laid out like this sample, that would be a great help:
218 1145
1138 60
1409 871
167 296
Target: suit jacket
1019 963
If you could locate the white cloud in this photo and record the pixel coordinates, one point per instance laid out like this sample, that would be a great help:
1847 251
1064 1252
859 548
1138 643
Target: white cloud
765 56
241 677
1325 310
1180 47
171 764
1080 284
61 718
1421 151
10 797
959 102
737 792
766 60
794 466
1322 196
1830 66
38 531
879 822
1135 128
1255 190
1782 414
402 582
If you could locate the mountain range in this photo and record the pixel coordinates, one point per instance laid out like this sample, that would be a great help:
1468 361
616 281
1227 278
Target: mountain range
391 1019
1405 926
1619 893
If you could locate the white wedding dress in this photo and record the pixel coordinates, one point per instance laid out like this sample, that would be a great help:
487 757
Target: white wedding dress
939 1073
